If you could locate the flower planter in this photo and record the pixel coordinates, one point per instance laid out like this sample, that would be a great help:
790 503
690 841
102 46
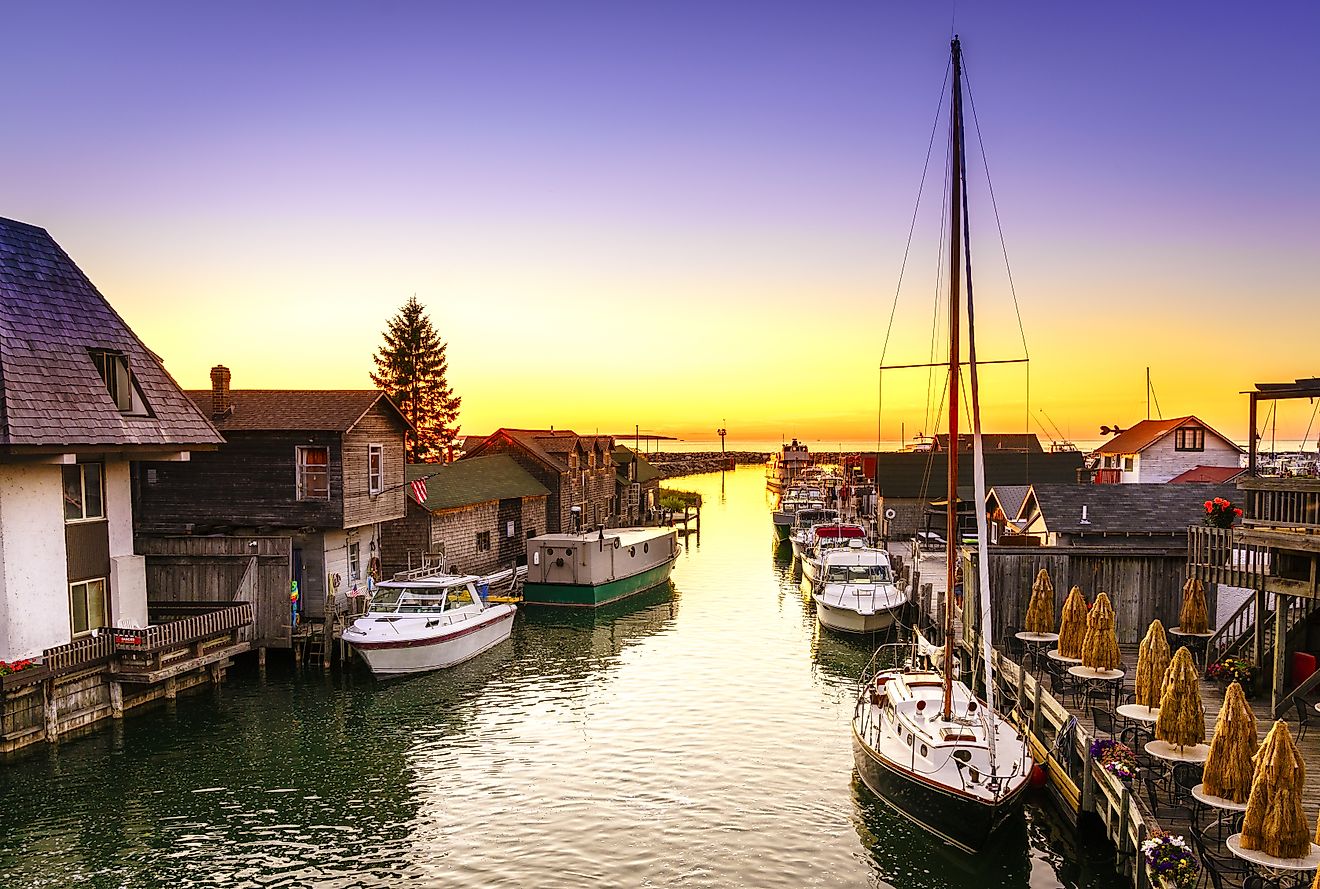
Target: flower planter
30 676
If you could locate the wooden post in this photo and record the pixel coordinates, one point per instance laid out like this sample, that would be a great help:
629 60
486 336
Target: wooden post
1281 603
52 711
117 700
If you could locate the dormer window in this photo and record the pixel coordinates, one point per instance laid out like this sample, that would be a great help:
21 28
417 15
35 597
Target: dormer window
113 368
1189 438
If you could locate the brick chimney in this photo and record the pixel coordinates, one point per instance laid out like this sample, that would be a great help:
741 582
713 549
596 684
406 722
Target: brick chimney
220 404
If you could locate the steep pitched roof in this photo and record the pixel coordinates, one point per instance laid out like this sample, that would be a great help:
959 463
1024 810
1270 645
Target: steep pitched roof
274 410
1121 509
474 480
551 447
645 471
51 393
1145 433
1214 475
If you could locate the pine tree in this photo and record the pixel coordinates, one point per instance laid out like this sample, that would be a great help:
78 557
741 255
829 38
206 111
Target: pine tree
411 368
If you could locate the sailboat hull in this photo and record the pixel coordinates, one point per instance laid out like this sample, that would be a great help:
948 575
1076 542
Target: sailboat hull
959 820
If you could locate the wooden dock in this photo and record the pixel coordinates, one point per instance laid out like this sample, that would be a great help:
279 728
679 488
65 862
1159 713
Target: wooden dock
1061 732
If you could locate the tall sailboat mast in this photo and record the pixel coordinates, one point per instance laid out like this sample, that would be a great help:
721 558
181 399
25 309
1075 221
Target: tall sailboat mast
955 310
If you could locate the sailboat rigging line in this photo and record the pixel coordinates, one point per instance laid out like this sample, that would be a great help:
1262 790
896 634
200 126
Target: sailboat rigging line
925 168
990 186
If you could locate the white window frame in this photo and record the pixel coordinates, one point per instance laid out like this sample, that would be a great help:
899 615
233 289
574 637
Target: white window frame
82 496
105 606
301 471
375 469
354 562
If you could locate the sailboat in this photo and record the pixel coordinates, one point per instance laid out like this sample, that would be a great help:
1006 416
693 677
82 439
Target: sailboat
922 740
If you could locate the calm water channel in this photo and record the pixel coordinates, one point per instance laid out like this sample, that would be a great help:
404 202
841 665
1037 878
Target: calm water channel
696 737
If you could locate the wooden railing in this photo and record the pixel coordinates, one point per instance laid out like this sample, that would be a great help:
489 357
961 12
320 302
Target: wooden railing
1218 555
211 622
1282 503
79 653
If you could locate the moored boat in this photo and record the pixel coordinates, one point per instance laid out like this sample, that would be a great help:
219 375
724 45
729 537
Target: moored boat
427 623
855 591
592 568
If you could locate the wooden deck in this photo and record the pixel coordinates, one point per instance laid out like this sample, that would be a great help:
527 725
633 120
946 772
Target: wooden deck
1099 796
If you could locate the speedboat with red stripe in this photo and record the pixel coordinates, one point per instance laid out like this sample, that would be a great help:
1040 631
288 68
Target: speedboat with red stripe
427 623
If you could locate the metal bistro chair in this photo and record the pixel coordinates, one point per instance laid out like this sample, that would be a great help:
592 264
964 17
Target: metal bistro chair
1306 716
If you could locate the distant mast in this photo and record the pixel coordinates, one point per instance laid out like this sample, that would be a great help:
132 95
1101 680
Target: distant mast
955 260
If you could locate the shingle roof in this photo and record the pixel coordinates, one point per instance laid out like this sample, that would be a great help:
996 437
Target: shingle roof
270 410
1122 509
1214 475
645 471
51 393
1145 433
1010 498
551 446
474 480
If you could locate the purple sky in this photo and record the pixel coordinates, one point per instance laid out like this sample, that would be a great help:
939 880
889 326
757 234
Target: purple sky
264 184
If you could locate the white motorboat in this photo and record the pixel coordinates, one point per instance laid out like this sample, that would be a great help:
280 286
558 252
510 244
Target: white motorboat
855 592
426 623
825 537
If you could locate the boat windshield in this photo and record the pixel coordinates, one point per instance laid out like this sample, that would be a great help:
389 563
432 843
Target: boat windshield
858 574
420 600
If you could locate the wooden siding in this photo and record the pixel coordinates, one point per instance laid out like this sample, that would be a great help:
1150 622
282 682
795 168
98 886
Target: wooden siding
404 541
222 570
379 426
250 482
1143 584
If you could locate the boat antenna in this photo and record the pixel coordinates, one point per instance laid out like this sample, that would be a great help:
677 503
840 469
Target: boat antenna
955 251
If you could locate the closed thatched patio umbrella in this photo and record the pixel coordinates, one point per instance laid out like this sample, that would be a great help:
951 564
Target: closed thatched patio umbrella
1274 822
1100 645
1152 663
1193 617
1229 768
1182 716
1040 612
1072 624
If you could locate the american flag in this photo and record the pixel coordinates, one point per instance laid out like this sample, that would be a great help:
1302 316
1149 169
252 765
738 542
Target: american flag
419 491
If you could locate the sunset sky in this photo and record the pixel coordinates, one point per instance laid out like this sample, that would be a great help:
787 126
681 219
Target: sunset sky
676 215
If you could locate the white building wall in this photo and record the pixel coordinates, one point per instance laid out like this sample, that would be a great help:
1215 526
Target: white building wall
34 593
128 572
1162 461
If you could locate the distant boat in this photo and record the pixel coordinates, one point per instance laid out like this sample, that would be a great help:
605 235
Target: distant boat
429 622
922 741
784 467
597 567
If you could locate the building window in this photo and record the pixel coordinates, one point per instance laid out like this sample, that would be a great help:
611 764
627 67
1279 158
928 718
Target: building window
113 368
483 541
1189 438
83 492
313 473
354 562
375 469
87 605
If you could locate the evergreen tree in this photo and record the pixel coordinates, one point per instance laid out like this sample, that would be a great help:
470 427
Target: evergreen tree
411 368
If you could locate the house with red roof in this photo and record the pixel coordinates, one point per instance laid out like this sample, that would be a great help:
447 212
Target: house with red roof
1162 450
